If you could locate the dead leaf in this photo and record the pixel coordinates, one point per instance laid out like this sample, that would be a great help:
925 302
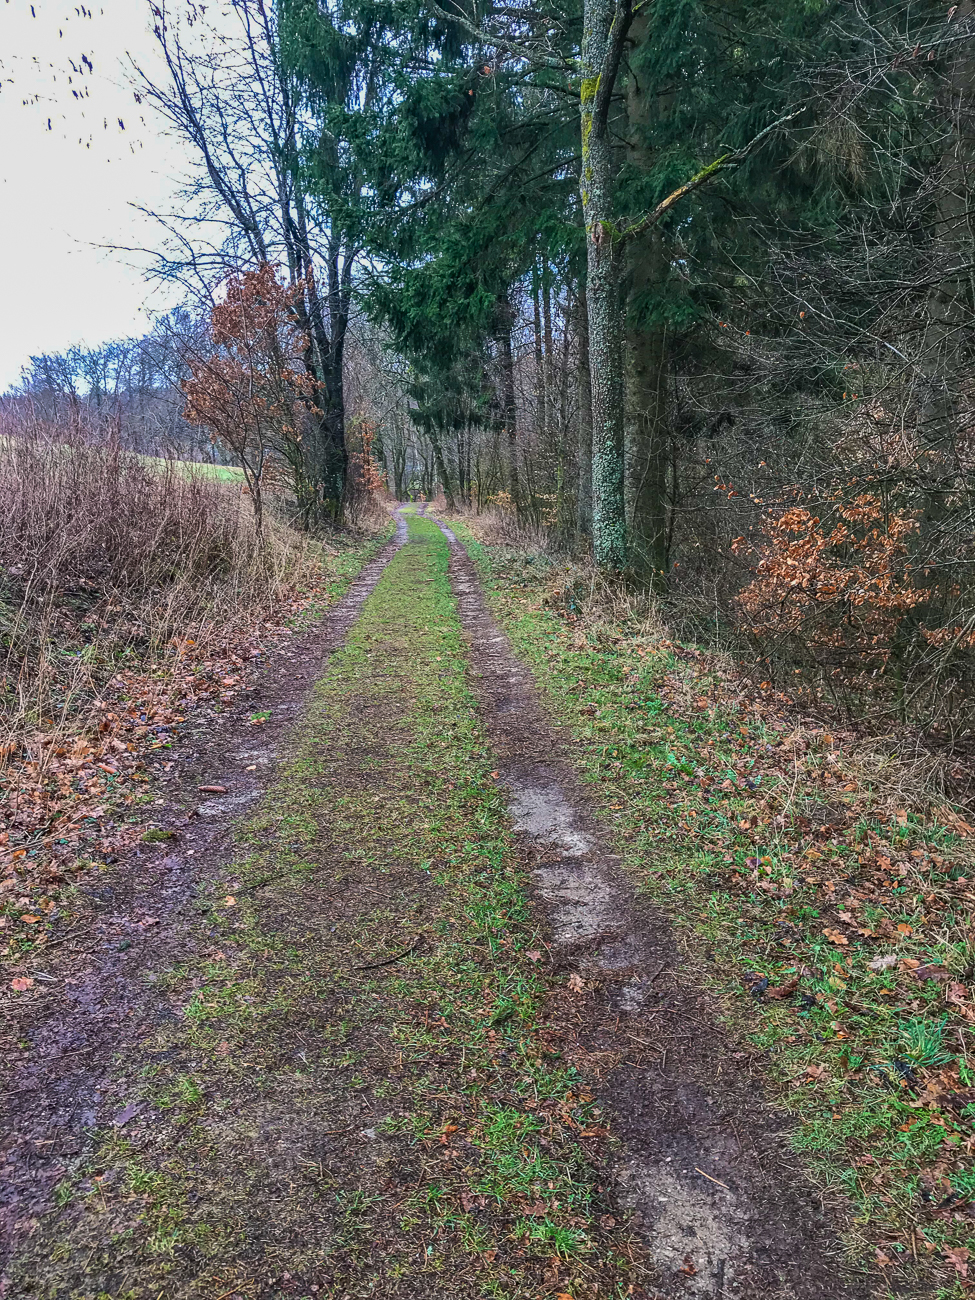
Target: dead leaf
836 936
958 1257
537 1211
212 789
230 900
883 963
957 994
576 983
30 919
21 984
534 956
131 1110
784 990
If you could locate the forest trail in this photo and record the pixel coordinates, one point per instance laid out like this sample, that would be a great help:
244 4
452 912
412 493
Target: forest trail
390 1020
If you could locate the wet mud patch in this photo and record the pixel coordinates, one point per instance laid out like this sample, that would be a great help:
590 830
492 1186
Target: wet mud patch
704 1168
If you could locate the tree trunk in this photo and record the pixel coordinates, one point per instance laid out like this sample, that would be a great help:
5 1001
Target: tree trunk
947 333
600 32
442 474
540 415
584 433
564 520
548 363
648 387
508 406
648 394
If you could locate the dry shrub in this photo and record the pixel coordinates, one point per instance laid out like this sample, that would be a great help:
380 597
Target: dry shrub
499 527
869 603
366 491
109 562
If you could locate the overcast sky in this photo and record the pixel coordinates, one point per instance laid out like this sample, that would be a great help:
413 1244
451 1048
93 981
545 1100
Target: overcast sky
69 171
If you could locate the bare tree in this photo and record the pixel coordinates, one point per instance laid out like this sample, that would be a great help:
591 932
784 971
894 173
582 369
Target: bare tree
230 97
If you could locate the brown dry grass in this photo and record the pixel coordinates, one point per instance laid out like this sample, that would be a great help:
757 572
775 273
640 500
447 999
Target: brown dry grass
129 591
107 561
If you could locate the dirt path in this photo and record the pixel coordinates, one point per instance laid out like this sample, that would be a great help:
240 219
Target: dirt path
370 1043
59 1049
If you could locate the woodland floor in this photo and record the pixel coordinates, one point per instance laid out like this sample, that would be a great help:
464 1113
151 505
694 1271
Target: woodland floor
388 1017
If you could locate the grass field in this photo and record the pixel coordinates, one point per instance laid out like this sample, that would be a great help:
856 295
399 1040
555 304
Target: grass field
205 469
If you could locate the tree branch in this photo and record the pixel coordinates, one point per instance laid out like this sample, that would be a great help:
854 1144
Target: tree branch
728 160
501 43
615 45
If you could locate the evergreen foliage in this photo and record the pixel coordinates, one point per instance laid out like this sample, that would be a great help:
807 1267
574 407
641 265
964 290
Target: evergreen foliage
648 276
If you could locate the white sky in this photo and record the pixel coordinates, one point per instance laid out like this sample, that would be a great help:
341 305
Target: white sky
66 189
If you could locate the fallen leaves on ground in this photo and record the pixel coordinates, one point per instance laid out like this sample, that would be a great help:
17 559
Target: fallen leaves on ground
69 795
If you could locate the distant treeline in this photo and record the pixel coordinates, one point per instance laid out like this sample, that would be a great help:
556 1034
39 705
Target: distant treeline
128 389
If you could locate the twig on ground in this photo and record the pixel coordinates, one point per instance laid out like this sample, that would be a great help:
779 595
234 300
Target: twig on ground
712 1180
373 965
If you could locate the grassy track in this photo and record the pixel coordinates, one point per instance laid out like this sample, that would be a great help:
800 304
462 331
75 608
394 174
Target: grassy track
349 1091
834 955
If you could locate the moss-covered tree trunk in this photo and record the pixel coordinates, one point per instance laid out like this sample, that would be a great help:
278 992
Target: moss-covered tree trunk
584 446
605 26
508 404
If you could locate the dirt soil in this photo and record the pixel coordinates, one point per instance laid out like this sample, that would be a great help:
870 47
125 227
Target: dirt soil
389 1020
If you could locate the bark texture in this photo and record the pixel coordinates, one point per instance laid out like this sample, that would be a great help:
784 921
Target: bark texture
605 27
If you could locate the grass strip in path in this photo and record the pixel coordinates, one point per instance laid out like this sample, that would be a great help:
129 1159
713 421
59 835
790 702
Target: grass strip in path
831 922
346 1092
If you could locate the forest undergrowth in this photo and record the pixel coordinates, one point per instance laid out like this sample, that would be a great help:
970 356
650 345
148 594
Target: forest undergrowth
132 593
823 885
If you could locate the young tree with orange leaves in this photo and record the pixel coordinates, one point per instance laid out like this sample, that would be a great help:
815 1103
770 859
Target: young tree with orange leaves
251 392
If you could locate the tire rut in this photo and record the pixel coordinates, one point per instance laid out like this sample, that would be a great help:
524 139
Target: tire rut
63 1083
705 1168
